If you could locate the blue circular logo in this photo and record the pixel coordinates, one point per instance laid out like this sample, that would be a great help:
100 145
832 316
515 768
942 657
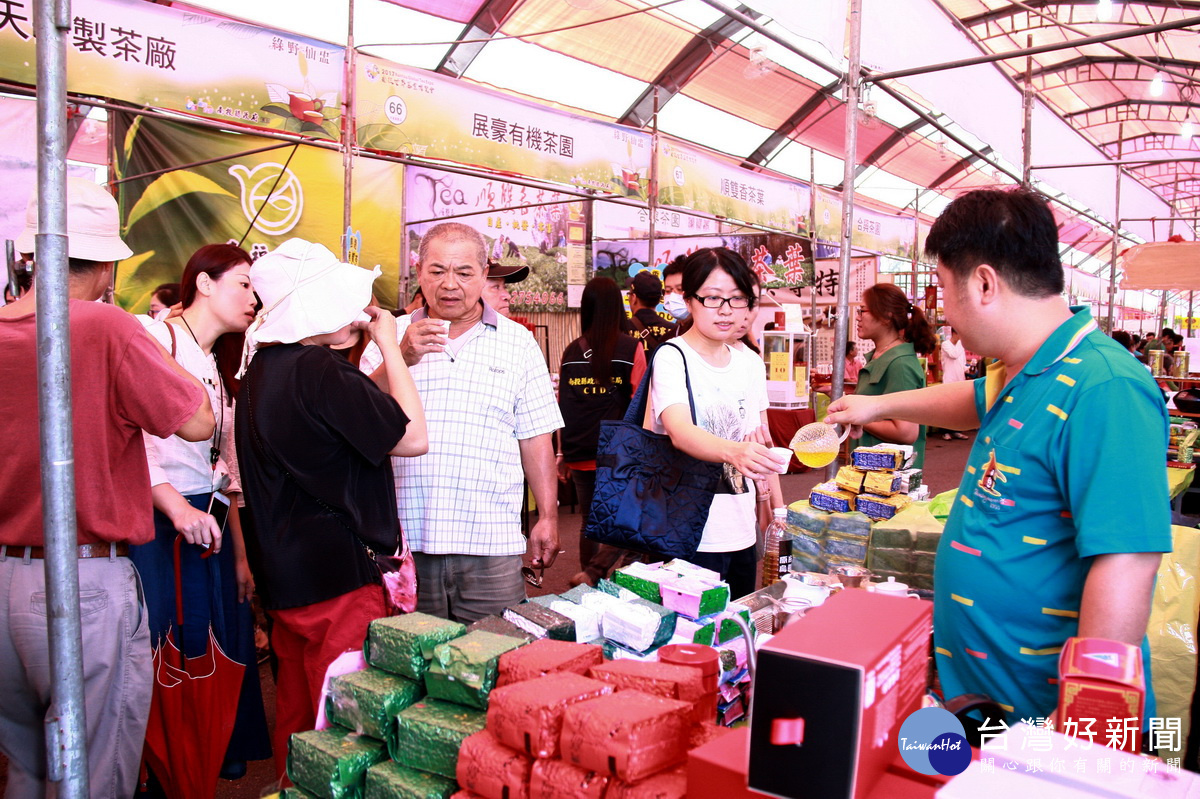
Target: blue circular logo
933 741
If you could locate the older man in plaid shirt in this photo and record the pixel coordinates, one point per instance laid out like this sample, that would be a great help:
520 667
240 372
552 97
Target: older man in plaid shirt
491 414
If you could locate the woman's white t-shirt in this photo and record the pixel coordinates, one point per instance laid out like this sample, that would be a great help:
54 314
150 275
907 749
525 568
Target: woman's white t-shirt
185 464
729 403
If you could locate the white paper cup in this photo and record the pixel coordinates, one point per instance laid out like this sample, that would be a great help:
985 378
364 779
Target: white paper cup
784 454
445 325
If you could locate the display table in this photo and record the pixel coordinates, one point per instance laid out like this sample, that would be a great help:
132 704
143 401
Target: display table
783 424
1178 483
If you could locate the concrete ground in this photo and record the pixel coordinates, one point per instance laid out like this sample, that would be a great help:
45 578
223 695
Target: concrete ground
944 463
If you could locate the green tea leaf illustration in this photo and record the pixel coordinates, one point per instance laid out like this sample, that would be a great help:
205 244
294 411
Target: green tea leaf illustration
168 187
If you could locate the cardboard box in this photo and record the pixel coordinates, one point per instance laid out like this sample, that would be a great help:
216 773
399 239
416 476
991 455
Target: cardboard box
1098 681
827 705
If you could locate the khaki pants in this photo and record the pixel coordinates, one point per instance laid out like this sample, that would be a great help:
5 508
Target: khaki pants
116 672
464 588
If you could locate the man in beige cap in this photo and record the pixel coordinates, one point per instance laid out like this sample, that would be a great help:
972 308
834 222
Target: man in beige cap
122 382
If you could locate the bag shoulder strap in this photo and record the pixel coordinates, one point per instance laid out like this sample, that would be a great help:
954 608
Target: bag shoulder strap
171 330
637 406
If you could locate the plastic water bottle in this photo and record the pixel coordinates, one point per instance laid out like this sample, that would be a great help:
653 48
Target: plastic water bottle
777 556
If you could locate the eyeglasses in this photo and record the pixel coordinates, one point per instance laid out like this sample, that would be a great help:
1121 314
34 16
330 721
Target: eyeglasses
716 302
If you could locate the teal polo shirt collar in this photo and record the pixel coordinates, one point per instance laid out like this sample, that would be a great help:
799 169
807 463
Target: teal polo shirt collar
877 367
1062 342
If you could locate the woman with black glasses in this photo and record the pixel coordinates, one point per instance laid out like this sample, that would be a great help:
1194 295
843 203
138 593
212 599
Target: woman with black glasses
729 390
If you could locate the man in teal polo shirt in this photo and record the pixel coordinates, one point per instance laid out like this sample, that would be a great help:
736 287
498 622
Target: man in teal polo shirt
1062 514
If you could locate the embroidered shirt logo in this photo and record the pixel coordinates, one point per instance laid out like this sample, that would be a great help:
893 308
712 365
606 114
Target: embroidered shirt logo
991 475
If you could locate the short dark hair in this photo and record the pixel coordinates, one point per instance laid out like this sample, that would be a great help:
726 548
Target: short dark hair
1013 231
647 288
1166 331
167 293
673 268
700 264
1122 338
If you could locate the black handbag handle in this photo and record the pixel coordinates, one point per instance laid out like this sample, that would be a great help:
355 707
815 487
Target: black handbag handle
637 406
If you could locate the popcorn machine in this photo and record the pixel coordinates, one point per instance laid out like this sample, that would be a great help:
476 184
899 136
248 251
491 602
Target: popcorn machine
787 355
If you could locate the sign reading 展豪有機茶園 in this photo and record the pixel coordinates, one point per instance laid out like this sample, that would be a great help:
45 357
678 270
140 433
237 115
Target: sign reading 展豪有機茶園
405 110
187 61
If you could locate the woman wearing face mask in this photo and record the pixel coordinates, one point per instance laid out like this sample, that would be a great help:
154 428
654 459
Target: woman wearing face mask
900 332
314 436
206 340
729 389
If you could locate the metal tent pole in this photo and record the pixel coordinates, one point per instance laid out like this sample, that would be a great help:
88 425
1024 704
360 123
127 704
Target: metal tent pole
66 747
348 138
1127 33
1116 234
853 79
1027 122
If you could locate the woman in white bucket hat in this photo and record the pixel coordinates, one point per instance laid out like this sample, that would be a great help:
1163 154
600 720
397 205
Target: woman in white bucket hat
314 436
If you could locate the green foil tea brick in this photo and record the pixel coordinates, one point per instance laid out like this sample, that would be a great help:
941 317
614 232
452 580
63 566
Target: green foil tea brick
619 591
806 517
390 780
857 525
430 733
642 579
332 763
404 644
465 670
367 701
702 631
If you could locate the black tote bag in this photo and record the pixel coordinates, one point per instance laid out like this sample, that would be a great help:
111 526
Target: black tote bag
649 496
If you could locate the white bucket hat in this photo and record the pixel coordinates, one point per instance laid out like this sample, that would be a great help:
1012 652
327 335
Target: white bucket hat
306 291
93 224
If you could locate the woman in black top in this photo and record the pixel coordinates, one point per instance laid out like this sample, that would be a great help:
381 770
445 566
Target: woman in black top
314 436
600 371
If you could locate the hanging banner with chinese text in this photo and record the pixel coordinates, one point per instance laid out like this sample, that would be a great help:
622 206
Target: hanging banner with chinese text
690 177
826 280
535 227
777 259
187 61
405 110
612 220
873 231
267 197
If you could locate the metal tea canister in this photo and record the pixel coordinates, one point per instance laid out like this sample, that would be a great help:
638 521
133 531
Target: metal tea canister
1156 362
1182 365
